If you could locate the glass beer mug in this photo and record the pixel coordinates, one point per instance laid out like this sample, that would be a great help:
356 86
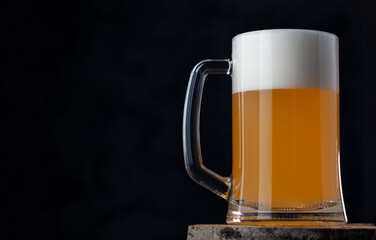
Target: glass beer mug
285 129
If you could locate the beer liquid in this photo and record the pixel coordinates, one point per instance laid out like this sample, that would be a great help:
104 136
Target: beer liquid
286 149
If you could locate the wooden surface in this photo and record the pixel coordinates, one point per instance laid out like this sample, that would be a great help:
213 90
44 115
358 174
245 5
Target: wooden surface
222 232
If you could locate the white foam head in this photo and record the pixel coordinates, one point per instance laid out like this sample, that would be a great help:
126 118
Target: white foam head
285 58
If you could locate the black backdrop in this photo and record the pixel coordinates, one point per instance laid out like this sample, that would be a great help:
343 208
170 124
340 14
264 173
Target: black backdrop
92 96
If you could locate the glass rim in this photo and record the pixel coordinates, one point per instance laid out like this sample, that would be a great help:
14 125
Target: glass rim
285 30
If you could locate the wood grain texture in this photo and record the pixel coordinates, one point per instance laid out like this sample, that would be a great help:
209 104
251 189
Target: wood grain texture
224 232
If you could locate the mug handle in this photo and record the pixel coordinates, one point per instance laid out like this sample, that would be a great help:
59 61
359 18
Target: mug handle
191 127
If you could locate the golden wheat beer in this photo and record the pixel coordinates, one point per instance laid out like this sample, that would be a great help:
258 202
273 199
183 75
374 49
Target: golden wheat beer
285 129
285 148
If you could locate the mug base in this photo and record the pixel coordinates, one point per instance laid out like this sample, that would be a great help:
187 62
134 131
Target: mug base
244 215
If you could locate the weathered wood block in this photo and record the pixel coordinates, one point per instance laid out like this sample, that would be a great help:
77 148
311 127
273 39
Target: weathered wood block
233 232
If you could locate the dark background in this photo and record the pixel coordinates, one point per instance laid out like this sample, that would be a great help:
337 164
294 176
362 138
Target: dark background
92 96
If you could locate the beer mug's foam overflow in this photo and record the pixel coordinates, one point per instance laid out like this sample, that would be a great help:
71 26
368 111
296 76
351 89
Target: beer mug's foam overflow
285 58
